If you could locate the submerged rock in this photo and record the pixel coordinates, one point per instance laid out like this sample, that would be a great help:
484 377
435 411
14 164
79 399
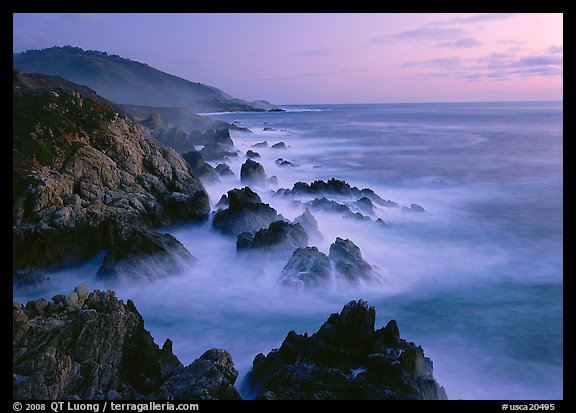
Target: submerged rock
279 145
245 213
307 267
252 172
346 359
98 348
145 255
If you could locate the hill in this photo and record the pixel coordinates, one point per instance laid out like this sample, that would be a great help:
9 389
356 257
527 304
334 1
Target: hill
128 82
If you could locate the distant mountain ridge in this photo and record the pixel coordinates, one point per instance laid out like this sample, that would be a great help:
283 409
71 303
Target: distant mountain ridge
129 82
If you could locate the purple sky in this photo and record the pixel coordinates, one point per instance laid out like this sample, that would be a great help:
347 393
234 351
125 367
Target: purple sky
328 58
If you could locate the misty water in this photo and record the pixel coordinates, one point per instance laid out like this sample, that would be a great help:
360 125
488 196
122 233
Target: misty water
476 280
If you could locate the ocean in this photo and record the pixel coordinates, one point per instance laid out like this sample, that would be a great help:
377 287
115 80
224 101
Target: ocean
476 280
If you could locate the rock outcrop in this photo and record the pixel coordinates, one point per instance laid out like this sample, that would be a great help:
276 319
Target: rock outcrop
93 346
348 262
307 268
279 145
223 169
335 187
145 255
85 177
346 359
279 238
309 224
245 213
252 172
201 169
251 154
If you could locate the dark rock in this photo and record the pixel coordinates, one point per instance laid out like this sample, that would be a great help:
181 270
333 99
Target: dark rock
245 213
325 205
203 170
223 169
211 377
365 205
334 187
223 202
413 208
213 151
251 154
260 145
78 355
343 360
307 267
286 163
268 129
279 145
28 277
278 161
280 237
84 177
309 224
252 173
273 180
145 255
244 241
348 262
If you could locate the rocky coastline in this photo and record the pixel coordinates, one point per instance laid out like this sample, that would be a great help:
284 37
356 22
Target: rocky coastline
89 179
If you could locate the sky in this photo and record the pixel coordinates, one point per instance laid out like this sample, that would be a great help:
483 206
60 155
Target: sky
328 58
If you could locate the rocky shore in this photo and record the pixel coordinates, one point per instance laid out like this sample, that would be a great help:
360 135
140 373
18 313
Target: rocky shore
87 179
93 346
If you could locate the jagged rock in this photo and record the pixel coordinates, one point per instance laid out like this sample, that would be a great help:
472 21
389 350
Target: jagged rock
309 224
413 208
365 206
84 177
285 163
252 172
334 187
260 145
326 205
307 267
348 262
215 151
273 180
279 145
145 255
245 213
203 170
280 237
224 170
251 154
211 377
268 129
103 351
346 359
223 202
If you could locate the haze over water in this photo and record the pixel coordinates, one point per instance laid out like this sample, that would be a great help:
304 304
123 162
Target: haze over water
476 280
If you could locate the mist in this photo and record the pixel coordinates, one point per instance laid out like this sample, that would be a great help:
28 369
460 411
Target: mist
476 279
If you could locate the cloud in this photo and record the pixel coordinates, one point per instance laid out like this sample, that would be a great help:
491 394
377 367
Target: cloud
319 52
495 66
477 18
513 42
462 43
423 33
555 49
444 63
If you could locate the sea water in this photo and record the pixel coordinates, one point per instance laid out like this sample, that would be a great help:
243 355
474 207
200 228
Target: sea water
476 280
